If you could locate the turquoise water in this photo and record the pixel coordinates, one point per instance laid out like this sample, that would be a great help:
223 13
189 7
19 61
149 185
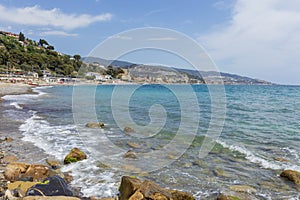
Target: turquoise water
262 123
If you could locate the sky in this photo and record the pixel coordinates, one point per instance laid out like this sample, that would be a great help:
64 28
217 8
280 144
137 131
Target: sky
255 38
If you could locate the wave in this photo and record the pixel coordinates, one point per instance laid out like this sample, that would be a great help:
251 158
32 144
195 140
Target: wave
267 163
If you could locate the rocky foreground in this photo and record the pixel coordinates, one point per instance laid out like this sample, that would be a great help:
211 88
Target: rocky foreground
26 181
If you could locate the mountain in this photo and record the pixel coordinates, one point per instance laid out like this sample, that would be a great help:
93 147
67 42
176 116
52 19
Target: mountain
161 74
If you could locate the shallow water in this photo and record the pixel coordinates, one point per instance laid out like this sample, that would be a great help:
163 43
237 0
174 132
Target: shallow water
262 123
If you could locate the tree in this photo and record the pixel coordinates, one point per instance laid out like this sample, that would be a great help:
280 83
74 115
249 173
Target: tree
42 42
50 47
21 37
77 57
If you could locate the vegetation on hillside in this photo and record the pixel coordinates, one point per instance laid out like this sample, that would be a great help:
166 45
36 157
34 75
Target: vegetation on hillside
21 54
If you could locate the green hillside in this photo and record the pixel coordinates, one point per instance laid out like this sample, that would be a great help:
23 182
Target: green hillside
20 54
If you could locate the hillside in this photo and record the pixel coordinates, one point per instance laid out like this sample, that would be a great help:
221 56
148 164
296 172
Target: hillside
159 74
20 55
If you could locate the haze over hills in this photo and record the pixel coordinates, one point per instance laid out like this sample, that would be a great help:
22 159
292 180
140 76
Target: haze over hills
157 74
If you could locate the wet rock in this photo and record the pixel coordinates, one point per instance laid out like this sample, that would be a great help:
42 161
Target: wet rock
74 155
51 186
130 154
68 177
243 188
8 139
95 125
17 171
133 145
281 159
23 186
128 187
10 196
227 197
50 198
54 164
291 175
128 130
134 189
103 166
10 159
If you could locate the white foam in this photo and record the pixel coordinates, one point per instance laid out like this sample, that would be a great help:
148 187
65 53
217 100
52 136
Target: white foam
16 105
260 159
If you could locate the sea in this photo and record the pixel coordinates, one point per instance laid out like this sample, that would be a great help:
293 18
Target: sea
183 137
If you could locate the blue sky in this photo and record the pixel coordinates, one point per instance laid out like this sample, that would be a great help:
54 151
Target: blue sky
260 39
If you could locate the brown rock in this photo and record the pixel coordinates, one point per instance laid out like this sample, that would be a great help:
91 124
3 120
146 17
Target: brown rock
243 188
128 130
179 195
291 175
22 185
148 189
281 159
74 155
54 164
227 197
128 187
95 125
8 139
37 172
10 159
130 154
133 145
137 196
15 171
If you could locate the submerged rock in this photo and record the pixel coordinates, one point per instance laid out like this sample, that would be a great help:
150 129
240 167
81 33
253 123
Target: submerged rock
281 159
133 189
74 155
130 154
227 197
50 198
243 188
291 175
17 171
95 125
128 130
9 159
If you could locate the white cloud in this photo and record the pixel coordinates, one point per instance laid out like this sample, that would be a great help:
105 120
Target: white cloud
59 33
262 39
37 16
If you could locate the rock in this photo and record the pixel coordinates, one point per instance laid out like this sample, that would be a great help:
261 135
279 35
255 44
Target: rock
68 177
133 145
128 187
281 159
54 164
51 186
9 195
10 159
95 125
21 185
50 198
243 188
291 175
179 195
130 154
227 197
74 155
134 189
8 139
14 171
17 171
128 130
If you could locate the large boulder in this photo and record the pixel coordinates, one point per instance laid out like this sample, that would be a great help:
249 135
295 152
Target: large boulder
17 171
128 187
95 125
51 186
291 175
134 189
50 198
74 155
